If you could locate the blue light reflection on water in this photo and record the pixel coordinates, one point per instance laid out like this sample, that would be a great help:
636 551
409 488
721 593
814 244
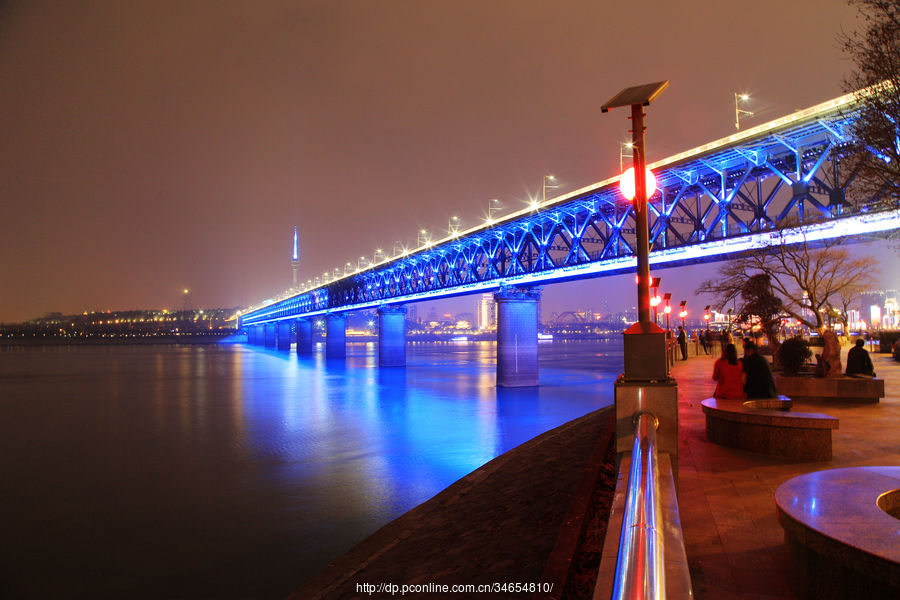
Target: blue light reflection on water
234 464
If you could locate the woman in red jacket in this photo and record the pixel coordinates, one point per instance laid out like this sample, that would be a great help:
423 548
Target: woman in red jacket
729 375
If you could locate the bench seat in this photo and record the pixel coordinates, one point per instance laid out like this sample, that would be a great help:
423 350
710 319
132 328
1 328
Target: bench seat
800 436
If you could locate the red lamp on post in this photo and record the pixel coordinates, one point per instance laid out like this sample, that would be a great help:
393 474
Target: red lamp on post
655 299
668 309
645 358
683 313
706 316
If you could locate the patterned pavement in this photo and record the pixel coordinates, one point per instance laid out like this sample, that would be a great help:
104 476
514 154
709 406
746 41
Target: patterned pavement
726 497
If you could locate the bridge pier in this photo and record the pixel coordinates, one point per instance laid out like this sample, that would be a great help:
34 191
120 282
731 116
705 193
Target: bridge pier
283 335
391 336
269 335
517 347
335 336
304 337
251 332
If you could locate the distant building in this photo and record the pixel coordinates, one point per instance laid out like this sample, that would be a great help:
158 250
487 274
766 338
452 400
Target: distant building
487 312
295 259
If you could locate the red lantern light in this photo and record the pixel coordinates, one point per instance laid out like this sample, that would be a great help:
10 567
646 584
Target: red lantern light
626 183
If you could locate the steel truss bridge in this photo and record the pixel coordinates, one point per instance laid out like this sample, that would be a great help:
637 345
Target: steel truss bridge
712 202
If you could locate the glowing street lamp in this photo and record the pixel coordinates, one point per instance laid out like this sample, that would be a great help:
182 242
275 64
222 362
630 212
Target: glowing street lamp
668 309
738 111
494 206
655 299
683 313
706 316
453 226
544 187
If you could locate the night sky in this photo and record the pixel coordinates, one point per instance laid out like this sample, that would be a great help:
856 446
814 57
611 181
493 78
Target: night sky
156 146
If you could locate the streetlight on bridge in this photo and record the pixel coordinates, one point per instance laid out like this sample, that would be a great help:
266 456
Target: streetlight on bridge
494 206
738 111
544 187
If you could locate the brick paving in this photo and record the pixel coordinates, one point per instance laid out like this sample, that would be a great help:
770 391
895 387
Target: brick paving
726 497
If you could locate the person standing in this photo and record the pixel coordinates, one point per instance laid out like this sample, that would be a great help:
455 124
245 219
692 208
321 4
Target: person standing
728 374
758 380
682 341
858 360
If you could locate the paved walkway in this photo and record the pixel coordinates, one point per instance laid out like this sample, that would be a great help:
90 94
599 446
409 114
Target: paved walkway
726 497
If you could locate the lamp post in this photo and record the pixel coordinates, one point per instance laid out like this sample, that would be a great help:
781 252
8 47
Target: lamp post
453 226
668 309
706 316
738 111
544 187
643 339
625 151
493 207
654 299
683 313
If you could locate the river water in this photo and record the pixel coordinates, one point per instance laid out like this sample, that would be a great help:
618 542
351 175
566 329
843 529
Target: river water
229 471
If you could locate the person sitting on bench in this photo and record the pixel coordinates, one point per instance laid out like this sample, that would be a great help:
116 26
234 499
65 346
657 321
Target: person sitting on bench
859 362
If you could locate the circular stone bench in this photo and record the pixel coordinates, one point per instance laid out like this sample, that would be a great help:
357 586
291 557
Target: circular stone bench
801 436
841 537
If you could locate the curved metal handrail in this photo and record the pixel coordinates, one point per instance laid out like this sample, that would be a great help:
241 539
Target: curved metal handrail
640 570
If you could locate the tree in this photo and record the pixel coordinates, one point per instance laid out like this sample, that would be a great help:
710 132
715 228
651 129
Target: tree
874 156
808 279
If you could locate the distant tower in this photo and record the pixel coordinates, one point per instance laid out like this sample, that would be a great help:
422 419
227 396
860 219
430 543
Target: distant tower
295 257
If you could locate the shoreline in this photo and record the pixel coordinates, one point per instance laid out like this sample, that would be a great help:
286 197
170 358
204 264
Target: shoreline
135 341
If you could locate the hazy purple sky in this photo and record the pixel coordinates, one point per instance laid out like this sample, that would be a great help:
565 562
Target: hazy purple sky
152 146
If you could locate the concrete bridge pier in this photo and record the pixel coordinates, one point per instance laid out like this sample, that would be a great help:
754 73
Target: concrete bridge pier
335 336
251 334
392 336
269 335
517 347
304 337
283 335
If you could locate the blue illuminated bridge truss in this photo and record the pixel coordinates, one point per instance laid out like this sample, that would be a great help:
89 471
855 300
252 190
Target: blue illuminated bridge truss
712 202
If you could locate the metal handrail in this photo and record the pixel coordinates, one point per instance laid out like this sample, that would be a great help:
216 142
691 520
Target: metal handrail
640 569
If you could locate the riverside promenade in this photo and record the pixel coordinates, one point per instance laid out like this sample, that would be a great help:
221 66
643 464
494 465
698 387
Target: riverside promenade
726 497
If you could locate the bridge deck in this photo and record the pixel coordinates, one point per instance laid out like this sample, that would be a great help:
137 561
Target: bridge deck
779 183
739 552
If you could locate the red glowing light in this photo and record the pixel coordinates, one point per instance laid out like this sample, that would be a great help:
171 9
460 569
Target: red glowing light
626 183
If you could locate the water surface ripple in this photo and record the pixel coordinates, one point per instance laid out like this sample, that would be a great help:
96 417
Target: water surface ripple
229 471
